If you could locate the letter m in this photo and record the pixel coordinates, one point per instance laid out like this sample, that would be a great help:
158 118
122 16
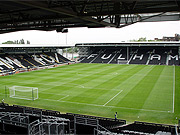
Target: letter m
173 57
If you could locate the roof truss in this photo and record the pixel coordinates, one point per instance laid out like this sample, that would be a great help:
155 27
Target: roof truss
48 15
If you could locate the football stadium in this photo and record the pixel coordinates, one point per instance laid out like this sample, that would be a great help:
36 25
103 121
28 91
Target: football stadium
112 89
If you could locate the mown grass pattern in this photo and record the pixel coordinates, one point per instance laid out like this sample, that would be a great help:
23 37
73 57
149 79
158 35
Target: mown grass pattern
94 89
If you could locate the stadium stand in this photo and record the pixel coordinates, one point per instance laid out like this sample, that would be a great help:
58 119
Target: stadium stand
145 128
172 58
158 57
22 60
114 58
92 56
30 60
139 56
15 58
123 54
13 117
76 122
13 62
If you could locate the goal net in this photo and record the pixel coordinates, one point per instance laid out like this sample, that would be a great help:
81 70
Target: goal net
21 92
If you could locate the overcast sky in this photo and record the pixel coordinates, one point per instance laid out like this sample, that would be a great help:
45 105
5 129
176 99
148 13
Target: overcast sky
150 30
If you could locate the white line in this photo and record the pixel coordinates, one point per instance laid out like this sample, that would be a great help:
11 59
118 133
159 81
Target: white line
151 66
112 98
174 75
137 109
108 106
81 86
52 93
63 97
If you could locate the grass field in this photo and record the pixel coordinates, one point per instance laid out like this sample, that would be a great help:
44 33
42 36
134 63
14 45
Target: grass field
137 92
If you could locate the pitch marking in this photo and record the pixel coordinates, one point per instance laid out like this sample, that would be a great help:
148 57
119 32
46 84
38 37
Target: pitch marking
173 89
112 98
81 86
63 97
52 93
107 106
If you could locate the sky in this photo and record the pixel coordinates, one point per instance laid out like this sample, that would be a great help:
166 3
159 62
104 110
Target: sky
150 30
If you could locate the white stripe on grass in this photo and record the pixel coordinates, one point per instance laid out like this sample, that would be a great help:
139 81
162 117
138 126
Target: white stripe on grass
112 98
174 75
53 93
106 106
64 97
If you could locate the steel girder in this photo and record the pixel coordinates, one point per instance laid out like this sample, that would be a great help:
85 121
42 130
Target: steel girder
48 15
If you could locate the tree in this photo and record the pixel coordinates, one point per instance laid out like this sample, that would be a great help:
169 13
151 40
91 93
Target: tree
142 39
71 50
8 42
28 42
22 41
16 42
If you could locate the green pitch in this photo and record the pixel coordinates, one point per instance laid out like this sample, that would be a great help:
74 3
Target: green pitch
137 92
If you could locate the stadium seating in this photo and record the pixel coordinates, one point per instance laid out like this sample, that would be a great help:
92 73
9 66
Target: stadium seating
104 56
36 60
122 57
112 126
92 56
8 62
12 62
139 56
57 57
158 57
115 57
19 120
173 58
133 55
145 128
23 61
64 59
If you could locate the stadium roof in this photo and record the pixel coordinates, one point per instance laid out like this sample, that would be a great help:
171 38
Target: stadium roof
48 15
128 44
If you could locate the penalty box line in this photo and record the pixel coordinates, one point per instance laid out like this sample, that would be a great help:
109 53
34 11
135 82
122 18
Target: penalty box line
96 105
112 98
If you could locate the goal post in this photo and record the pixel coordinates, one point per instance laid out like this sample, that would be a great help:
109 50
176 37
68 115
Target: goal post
21 92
